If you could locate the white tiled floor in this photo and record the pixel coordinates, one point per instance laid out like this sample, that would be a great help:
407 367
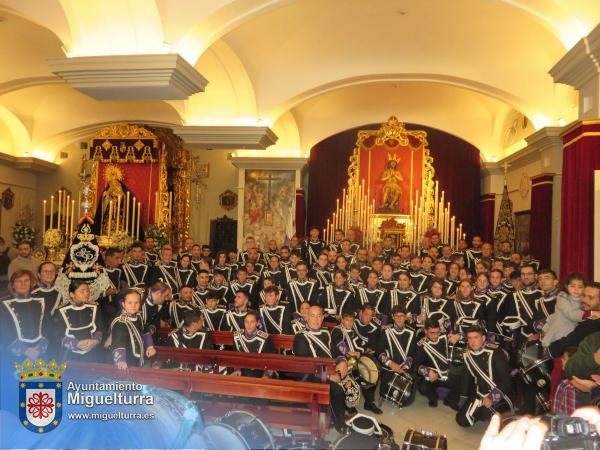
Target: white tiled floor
439 420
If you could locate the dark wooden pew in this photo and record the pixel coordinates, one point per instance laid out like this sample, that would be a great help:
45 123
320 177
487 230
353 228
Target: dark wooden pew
265 361
313 395
280 341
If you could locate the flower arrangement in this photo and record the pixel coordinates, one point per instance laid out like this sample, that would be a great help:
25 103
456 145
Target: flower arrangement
121 239
52 238
23 233
159 233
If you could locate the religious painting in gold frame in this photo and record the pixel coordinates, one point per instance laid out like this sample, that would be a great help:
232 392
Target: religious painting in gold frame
393 166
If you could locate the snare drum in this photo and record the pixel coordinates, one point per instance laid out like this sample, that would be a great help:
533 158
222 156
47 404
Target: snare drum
399 389
532 364
239 430
424 440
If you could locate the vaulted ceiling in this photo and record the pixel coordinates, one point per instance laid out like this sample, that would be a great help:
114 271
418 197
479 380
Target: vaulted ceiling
308 68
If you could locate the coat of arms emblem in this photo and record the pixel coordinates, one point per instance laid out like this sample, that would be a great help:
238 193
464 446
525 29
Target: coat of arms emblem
40 394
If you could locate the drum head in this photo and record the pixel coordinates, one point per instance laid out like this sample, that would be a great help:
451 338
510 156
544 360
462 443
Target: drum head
356 441
367 368
531 355
247 428
224 436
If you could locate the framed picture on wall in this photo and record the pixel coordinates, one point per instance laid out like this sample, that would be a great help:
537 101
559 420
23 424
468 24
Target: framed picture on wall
522 220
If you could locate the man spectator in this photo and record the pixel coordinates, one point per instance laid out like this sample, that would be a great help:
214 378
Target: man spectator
24 260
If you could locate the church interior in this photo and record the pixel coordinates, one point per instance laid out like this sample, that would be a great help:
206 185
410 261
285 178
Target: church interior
343 178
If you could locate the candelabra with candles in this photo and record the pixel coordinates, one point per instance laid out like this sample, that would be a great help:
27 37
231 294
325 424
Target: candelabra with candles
429 211
121 217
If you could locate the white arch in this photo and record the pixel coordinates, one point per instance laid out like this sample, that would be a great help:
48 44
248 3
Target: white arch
19 134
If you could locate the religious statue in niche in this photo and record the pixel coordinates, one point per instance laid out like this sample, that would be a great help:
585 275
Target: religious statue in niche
108 215
391 179
228 200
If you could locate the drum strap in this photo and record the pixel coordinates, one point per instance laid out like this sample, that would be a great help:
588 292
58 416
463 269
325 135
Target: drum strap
396 343
232 321
521 299
488 379
315 340
348 339
435 356
269 317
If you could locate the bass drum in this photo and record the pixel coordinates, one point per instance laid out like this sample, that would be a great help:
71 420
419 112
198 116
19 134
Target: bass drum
424 440
399 389
239 430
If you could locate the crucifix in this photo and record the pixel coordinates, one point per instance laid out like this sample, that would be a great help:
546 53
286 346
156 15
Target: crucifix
269 179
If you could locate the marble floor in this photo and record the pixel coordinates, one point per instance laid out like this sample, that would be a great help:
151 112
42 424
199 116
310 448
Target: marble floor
439 420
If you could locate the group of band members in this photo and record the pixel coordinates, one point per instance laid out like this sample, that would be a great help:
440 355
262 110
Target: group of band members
448 323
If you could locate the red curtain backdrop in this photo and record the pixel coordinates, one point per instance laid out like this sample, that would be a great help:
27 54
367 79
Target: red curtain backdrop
540 226
300 213
457 167
142 181
488 205
581 156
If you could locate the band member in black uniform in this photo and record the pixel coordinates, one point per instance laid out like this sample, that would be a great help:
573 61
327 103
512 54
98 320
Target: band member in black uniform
368 328
336 244
467 312
266 282
202 288
275 272
490 376
165 270
320 272
300 320
546 304
221 265
188 246
219 284
302 289
387 280
187 273
136 270
108 303
316 342
234 318
372 294
404 296
452 280
150 250
435 306
290 268
23 331
348 343
252 340
337 297
47 289
181 303
130 343
521 306
395 351
271 250
257 258
474 253
241 284
495 309
275 316
81 325
354 279
153 310
417 278
312 247
431 365
192 333
253 275
214 313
